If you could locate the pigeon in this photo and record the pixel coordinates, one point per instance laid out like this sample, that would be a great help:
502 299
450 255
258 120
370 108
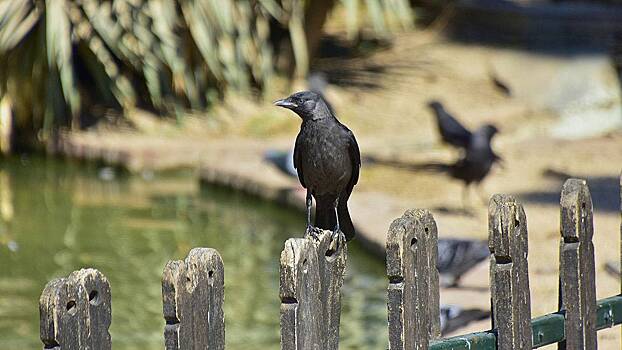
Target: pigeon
454 317
457 256
282 160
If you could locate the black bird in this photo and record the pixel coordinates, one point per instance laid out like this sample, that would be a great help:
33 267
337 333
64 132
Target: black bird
327 159
457 256
471 168
452 132
477 158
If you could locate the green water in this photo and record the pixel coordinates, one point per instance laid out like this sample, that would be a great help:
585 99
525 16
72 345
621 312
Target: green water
58 216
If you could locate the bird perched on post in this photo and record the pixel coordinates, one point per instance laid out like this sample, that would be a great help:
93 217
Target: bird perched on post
478 156
328 160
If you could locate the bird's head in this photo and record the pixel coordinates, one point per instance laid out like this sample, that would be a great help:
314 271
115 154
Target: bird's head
307 104
489 130
435 105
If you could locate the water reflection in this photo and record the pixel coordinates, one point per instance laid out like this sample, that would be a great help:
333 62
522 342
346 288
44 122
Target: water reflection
62 216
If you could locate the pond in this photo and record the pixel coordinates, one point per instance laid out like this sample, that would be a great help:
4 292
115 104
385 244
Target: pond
59 216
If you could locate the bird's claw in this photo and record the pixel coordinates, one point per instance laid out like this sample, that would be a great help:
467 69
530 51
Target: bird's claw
312 232
338 239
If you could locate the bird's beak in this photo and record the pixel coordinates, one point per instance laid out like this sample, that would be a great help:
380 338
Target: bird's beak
285 103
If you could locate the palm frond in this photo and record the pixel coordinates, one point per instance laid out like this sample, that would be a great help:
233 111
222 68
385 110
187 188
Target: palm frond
58 57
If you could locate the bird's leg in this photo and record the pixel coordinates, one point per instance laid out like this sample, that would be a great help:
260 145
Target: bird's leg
336 216
309 205
310 229
337 237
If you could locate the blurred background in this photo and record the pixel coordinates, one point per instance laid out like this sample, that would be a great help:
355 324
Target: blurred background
134 130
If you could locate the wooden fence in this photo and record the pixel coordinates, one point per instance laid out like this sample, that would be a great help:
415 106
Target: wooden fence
76 311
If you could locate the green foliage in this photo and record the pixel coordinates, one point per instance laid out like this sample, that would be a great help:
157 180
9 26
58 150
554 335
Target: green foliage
59 58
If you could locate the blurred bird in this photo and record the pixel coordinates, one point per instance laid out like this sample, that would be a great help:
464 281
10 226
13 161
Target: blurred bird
327 160
452 132
457 256
477 158
477 161
454 317
282 160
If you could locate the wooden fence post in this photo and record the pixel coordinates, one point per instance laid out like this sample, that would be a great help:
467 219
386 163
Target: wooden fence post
193 298
577 271
509 276
332 267
300 296
311 280
413 292
75 312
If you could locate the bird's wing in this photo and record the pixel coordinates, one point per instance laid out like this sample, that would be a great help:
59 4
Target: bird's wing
459 135
355 158
298 150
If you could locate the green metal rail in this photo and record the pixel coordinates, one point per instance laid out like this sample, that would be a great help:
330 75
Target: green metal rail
547 329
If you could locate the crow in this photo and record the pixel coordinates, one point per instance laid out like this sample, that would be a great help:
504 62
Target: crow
452 132
327 160
477 157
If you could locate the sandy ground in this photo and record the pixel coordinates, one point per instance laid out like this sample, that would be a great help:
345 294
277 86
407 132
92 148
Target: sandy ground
391 120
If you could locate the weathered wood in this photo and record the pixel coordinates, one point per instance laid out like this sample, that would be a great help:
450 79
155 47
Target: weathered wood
509 278
413 294
332 267
577 269
427 231
300 292
75 312
193 298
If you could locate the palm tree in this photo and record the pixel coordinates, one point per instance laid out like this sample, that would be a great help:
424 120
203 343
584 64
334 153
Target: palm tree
61 58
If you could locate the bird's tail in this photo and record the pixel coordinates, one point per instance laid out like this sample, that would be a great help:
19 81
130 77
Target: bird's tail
325 214
345 222
325 217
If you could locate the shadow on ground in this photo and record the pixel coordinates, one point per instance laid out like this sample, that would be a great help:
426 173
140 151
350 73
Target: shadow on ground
605 192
